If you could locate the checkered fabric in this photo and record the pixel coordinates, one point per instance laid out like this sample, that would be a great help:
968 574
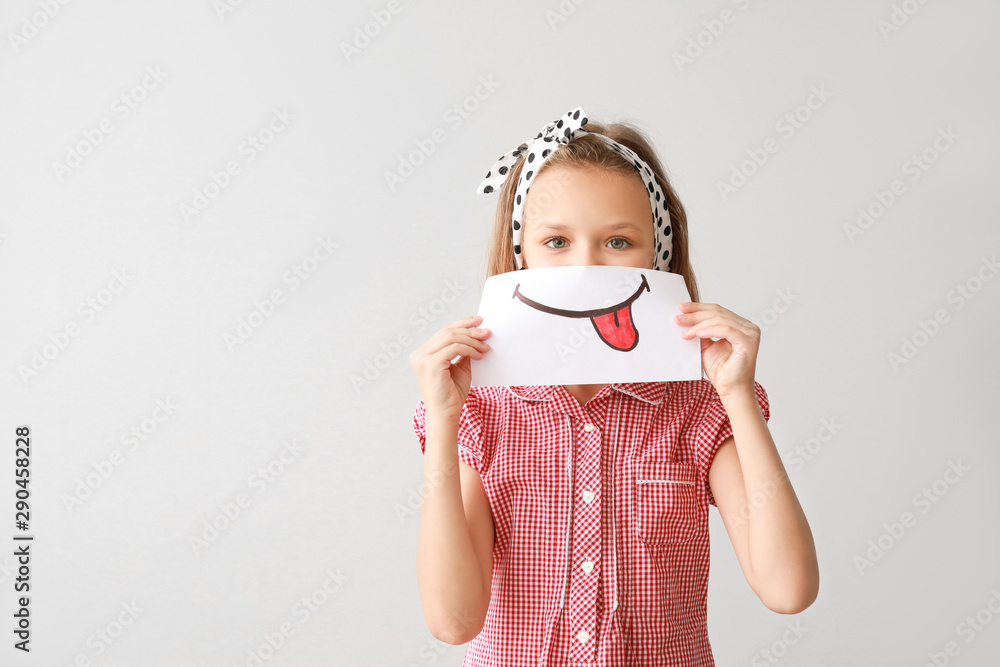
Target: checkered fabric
601 550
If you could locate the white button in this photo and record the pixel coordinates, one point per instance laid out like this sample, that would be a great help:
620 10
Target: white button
588 427
583 635
588 496
587 566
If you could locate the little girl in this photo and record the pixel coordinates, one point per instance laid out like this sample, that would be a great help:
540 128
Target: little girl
568 525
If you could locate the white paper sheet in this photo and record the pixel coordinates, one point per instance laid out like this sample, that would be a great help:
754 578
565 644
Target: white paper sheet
584 325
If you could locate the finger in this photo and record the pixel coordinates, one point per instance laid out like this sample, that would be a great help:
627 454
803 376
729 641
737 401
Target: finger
731 334
698 311
700 323
465 322
462 336
707 310
468 327
441 339
698 306
471 336
697 320
735 323
449 333
449 352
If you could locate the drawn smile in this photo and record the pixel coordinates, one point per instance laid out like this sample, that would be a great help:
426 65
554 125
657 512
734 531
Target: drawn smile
613 324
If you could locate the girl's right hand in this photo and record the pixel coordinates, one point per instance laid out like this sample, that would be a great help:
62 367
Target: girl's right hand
444 386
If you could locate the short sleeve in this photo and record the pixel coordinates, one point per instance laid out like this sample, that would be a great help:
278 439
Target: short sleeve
470 432
715 428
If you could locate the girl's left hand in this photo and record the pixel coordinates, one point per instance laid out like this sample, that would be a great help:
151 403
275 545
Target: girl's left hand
730 361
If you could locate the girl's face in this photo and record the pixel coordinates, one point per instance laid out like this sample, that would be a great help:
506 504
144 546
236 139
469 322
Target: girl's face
575 217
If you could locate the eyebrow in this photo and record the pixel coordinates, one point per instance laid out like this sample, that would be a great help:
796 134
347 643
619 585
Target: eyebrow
618 225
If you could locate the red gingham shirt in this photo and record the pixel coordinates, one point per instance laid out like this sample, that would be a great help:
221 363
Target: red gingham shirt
601 549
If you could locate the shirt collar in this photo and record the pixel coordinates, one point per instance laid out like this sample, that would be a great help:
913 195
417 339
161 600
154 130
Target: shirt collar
651 392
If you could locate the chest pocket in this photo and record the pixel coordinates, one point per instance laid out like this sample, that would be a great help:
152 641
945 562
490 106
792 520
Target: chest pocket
666 501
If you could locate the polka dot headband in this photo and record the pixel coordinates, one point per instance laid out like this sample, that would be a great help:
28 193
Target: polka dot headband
560 132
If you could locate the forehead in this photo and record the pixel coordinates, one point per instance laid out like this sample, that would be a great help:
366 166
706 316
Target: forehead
558 192
586 175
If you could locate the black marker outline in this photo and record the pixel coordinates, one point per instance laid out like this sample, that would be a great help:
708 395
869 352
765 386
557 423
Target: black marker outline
597 312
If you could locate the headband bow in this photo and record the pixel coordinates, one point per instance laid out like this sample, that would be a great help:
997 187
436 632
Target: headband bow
558 133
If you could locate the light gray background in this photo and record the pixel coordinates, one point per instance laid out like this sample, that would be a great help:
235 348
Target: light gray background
335 507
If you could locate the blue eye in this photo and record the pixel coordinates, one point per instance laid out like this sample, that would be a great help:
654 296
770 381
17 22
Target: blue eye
617 238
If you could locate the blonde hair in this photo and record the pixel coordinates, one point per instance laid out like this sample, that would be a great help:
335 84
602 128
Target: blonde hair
587 152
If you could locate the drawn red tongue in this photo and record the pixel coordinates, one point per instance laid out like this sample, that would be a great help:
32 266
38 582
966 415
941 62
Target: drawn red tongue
616 328
613 323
